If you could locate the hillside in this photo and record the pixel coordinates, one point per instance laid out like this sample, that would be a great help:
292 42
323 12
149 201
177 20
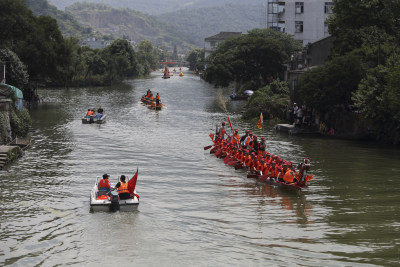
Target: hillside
199 23
67 23
122 22
156 7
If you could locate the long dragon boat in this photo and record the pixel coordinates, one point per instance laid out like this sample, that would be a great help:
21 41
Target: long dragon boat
240 158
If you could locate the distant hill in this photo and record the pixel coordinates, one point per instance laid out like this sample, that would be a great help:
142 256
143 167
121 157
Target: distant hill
156 7
123 22
199 23
67 23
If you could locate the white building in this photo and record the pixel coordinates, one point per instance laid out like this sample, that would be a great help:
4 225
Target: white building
210 43
305 20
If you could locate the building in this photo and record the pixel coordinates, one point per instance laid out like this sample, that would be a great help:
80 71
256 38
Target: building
95 44
210 43
305 20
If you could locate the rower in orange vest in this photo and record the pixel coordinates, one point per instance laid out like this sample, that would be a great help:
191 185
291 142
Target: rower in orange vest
122 186
90 112
221 131
289 176
157 99
236 137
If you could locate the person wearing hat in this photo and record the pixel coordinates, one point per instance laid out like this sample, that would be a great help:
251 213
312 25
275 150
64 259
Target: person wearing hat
104 185
243 138
221 131
122 187
236 137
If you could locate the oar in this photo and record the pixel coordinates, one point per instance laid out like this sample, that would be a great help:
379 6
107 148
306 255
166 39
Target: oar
252 175
207 147
233 162
213 150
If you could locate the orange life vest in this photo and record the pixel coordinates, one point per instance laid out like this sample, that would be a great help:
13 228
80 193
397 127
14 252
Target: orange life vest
236 139
289 175
104 185
90 113
123 188
158 97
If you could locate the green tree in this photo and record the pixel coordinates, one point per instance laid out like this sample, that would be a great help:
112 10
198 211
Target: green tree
147 57
195 58
255 57
332 84
16 73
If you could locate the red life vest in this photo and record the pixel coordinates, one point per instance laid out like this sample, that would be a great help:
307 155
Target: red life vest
104 185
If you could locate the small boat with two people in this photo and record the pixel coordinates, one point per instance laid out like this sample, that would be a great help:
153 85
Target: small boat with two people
94 117
122 196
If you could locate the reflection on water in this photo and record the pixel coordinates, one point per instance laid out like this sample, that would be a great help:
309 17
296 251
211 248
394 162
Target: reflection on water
194 209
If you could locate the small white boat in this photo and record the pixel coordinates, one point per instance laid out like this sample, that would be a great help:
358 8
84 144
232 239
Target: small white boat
94 119
99 201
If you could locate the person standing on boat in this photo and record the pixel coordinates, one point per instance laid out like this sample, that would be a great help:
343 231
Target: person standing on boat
122 186
157 99
221 131
236 138
243 138
104 184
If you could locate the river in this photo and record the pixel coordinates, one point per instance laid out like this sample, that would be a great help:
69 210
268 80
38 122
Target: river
194 210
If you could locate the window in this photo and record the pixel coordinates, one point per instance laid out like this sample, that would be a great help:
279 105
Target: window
299 7
212 44
299 26
326 30
328 7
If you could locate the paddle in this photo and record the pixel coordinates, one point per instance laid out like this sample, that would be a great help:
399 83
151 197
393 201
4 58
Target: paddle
207 147
233 162
213 150
252 175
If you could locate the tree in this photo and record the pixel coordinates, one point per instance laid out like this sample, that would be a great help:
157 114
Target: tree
330 85
196 59
255 57
147 57
16 73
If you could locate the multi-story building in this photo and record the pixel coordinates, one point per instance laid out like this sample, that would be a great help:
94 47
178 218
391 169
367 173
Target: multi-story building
305 20
210 43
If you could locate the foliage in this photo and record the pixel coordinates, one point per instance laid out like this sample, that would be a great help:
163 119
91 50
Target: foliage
131 24
4 138
147 57
157 6
271 100
20 121
16 73
332 84
67 23
196 59
255 57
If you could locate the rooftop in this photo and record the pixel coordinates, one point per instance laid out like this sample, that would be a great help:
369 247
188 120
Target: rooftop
223 36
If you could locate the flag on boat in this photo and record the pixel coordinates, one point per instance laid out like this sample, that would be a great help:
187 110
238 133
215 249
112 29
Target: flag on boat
212 136
260 122
132 182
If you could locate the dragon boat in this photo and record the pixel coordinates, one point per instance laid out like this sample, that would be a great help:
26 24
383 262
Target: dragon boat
151 103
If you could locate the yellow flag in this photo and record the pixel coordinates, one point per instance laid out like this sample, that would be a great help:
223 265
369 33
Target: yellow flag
260 122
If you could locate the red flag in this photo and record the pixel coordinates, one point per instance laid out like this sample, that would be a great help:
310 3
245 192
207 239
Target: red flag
229 120
260 122
132 182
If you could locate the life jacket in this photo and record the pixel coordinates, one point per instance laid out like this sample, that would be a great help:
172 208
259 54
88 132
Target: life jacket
288 177
235 139
104 185
221 132
90 113
158 97
123 188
